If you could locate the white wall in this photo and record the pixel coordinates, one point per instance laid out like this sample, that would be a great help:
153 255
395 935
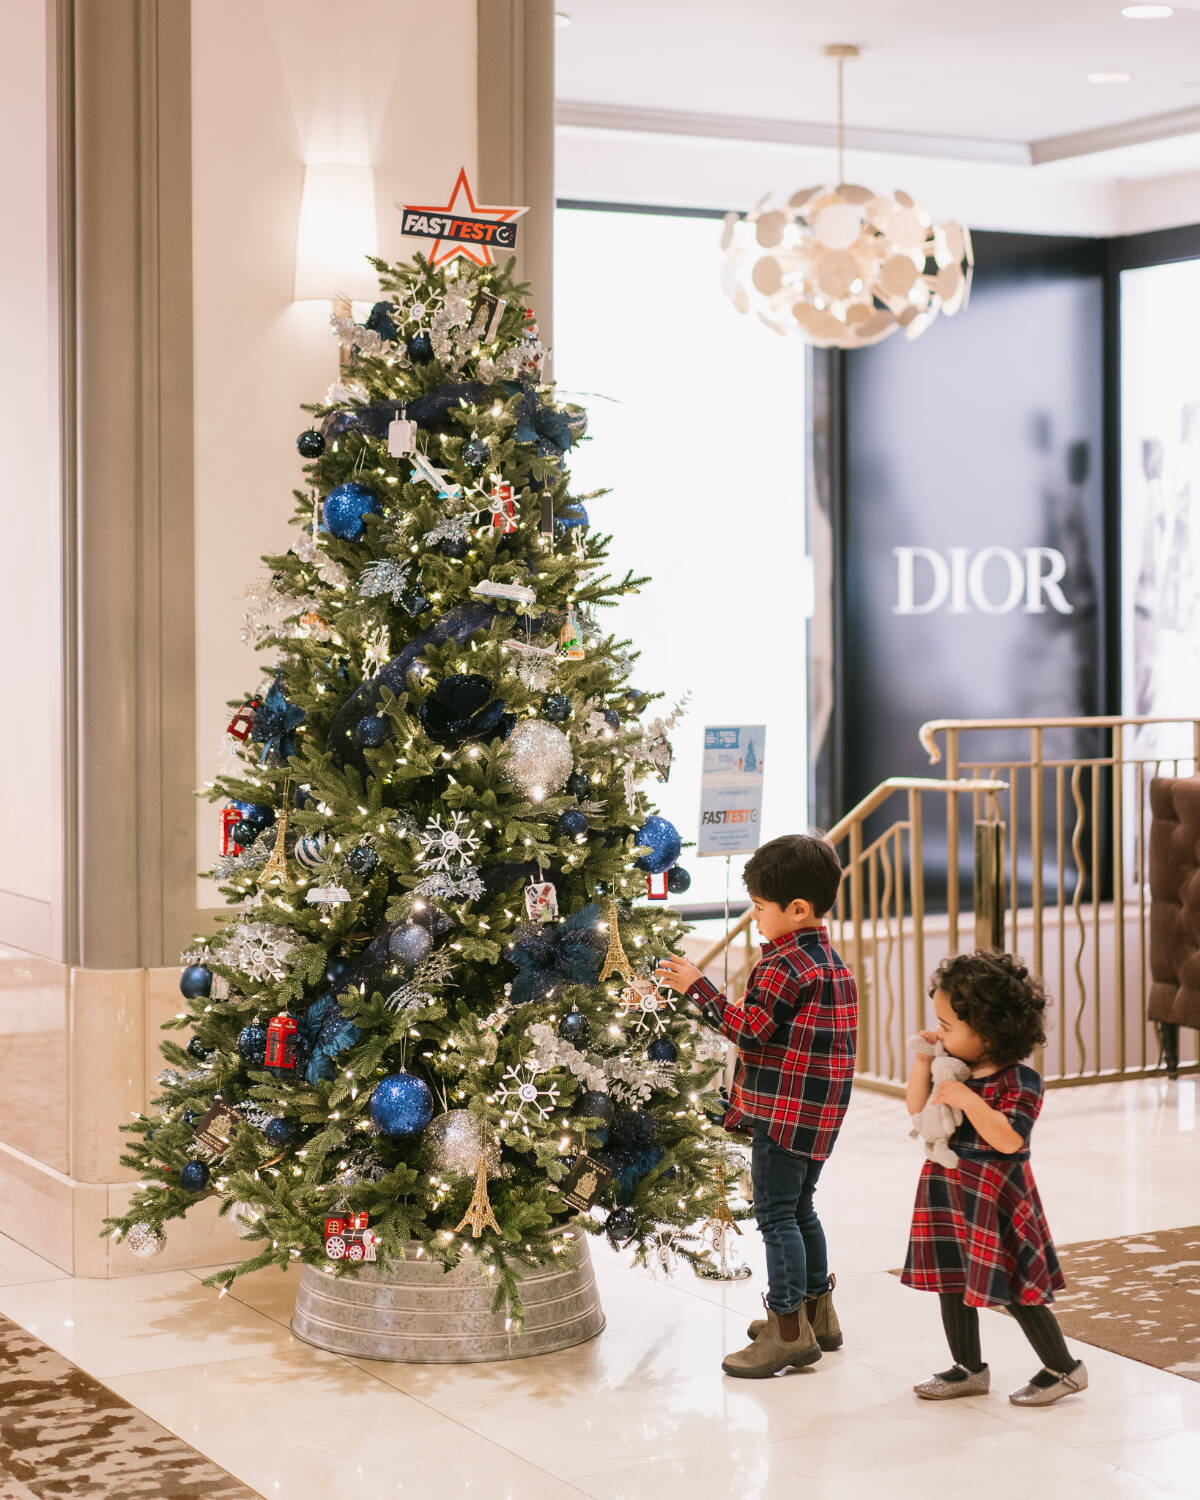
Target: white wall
30 666
276 84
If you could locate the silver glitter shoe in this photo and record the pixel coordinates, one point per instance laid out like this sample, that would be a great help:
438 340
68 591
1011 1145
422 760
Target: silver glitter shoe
937 1389
1047 1395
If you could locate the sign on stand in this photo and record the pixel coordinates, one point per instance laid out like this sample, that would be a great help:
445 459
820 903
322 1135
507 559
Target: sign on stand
731 789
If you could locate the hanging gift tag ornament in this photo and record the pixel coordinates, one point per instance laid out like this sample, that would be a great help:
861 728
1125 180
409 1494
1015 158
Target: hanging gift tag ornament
230 818
281 1041
541 901
503 507
402 437
485 317
585 1182
656 886
243 721
570 642
214 1130
331 893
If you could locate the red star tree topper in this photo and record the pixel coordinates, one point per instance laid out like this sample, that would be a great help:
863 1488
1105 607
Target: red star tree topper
474 234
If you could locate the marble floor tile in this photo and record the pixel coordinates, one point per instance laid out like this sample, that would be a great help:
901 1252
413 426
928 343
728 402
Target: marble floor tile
298 1424
1172 1460
139 1322
19 1266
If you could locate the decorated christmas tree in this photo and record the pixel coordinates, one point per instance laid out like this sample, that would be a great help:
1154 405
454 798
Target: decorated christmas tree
430 1014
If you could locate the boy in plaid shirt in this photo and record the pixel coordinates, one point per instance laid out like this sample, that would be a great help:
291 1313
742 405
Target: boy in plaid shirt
795 1031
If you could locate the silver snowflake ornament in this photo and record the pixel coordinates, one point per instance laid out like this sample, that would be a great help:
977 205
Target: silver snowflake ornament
519 1090
449 846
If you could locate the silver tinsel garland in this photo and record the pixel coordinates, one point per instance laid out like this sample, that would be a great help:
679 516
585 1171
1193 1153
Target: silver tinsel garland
310 551
619 1076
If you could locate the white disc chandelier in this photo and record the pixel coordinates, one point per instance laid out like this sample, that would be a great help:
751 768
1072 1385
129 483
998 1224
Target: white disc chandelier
844 266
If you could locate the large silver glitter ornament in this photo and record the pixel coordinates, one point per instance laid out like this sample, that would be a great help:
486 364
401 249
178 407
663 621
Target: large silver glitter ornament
145 1241
456 1138
537 759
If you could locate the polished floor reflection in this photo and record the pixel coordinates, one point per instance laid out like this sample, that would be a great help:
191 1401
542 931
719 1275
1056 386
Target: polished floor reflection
644 1410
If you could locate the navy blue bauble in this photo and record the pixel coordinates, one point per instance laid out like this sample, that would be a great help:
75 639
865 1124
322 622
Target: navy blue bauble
311 444
195 982
401 1105
193 1176
252 1043
372 730
420 348
475 451
454 547
335 969
633 1129
678 880
197 1049
579 783
620 1226
661 837
281 1132
362 862
662 1050
574 1027
594 1105
345 508
572 823
557 708
410 944
256 817
612 718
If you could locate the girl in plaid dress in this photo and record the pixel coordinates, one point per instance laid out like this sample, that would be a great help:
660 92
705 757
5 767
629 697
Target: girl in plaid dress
979 1237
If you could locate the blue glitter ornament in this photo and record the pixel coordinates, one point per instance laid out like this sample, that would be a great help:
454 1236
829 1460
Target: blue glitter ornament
574 1027
345 508
678 880
572 823
401 1105
410 944
195 982
661 837
311 444
281 1133
475 451
420 348
594 1105
371 730
579 784
662 1050
193 1176
557 708
633 1129
454 547
252 1043
571 515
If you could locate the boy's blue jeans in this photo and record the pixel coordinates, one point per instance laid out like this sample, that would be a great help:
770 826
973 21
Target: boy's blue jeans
797 1260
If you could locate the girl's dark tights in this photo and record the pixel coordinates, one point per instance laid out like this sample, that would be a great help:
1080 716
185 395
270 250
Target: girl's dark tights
1038 1324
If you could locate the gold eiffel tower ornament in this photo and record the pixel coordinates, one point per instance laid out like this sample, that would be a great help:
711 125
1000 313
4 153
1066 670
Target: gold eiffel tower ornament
479 1215
276 867
616 960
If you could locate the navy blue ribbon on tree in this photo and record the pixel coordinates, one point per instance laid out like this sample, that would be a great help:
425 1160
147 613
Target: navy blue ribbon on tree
275 725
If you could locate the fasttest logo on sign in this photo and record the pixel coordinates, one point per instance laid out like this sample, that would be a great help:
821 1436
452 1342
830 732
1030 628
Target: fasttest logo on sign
731 787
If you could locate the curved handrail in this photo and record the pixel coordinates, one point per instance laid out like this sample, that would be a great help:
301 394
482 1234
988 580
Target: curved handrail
862 810
934 727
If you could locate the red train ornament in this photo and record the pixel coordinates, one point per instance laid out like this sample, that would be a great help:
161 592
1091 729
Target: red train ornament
349 1238
281 1042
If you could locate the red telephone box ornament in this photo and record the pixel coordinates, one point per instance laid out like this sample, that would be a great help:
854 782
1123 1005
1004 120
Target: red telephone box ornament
656 887
281 1042
230 818
504 506
243 721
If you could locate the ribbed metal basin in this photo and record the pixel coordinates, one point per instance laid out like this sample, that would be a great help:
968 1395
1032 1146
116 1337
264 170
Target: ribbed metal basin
414 1312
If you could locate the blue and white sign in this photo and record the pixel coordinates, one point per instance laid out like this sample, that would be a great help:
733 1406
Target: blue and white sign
731 789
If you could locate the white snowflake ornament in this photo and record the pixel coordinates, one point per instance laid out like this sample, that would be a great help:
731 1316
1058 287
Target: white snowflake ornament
448 846
519 1090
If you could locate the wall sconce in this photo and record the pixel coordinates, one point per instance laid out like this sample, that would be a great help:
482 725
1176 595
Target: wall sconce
335 234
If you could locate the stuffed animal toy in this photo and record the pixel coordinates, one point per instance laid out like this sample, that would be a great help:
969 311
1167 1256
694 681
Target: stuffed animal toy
937 1122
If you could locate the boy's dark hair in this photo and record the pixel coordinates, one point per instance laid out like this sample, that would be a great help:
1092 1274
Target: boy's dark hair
999 999
798 866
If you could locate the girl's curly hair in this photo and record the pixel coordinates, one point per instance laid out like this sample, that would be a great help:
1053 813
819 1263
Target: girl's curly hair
999 999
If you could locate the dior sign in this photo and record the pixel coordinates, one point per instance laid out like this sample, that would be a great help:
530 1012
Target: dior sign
993 580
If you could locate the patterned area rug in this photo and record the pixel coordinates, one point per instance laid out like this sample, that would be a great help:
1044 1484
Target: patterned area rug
64 1436
1138 1296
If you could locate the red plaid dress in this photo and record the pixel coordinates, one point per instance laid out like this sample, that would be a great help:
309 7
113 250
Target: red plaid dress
978 1229
795 1032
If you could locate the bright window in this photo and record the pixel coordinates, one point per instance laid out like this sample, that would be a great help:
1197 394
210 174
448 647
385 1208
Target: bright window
697 423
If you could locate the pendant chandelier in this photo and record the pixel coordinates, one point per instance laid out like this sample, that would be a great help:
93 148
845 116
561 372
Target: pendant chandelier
844 266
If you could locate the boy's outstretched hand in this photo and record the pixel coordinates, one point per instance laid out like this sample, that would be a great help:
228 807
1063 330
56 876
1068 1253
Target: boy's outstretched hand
677 974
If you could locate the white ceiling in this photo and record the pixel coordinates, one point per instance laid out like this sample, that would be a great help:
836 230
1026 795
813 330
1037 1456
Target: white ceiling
992 80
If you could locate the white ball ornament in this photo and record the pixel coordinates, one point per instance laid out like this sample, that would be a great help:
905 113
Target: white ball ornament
145 1241
537 759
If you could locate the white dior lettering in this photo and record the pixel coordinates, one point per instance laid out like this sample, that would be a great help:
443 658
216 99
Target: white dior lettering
994 581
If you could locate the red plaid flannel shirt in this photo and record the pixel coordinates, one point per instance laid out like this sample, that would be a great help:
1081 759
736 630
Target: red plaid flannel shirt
796 1036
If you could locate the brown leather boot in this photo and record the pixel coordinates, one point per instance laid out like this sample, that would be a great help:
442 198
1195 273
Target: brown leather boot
821 1316
771 1351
